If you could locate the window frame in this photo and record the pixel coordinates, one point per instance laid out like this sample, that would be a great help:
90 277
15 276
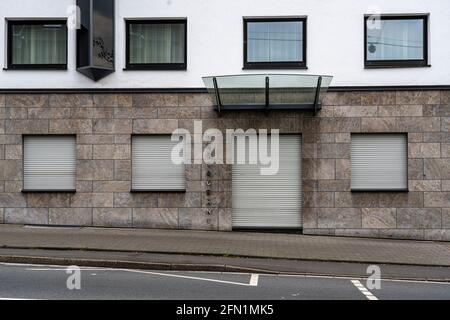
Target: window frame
276 64
25 191
154 66
383 190
11 66
411 63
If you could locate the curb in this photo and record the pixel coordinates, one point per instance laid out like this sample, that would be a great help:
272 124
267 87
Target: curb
123 264
228 255
155 266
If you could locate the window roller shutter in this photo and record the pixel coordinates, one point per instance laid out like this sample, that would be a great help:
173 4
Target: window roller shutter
49 163
153 168
379 162
272 201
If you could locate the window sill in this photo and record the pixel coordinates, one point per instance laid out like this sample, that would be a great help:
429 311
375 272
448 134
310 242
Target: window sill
155 68
274 67
379 190
158 191
36 69
49 191
396 66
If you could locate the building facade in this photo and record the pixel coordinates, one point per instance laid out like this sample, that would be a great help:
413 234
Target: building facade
86 114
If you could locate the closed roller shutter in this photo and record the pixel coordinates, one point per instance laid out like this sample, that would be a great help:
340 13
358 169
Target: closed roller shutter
270 201
49 163
379 162
153 168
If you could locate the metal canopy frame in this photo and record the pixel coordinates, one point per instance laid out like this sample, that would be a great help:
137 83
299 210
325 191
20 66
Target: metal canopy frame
314 106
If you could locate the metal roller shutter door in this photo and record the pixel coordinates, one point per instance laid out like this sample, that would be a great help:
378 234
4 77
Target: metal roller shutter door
379 162
270 201
49 162
153 168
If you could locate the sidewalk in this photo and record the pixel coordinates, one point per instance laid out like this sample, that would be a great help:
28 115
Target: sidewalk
254 245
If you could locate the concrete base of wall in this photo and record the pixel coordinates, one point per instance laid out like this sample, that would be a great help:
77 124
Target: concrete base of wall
404 234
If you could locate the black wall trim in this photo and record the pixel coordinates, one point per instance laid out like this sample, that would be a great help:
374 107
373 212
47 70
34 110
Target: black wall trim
203 90
108 90
389 88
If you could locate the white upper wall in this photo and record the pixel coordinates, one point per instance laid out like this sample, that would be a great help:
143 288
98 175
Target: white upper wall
215 41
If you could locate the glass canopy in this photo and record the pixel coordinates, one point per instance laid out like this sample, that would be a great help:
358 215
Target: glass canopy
268 91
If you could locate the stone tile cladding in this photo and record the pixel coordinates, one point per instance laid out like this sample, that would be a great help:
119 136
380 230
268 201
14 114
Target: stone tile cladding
104 124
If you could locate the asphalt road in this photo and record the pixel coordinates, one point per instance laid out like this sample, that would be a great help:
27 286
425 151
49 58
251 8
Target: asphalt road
50 282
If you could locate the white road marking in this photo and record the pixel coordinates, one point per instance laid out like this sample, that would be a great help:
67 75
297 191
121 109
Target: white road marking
369 295
197 278
254 280
16 299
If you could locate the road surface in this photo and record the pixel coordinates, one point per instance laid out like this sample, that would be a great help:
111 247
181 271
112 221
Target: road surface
50 282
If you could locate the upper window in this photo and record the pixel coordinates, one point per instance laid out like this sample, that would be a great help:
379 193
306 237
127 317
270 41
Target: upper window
156 44
49 163
396 41
37 44
379 162
275 43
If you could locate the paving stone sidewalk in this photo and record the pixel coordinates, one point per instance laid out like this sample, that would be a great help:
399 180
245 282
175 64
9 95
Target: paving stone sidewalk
257 245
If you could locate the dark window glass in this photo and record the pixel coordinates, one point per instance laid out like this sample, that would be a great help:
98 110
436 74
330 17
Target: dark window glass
157 44
275 43
396 41
37 44
103 38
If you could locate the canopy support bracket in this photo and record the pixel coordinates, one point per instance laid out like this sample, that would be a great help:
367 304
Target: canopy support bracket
216 90
267 105
316 99
267 93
